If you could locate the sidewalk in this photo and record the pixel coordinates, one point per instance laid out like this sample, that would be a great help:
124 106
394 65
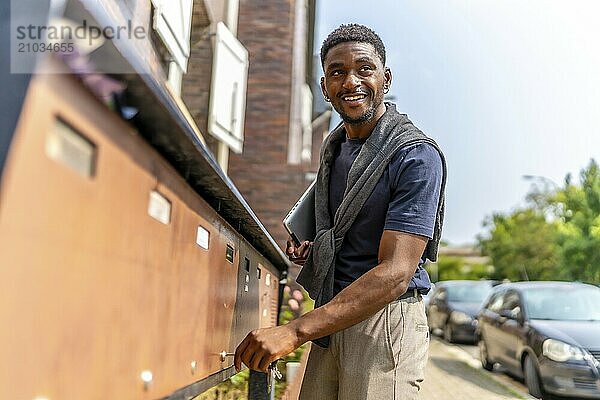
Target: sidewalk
449 376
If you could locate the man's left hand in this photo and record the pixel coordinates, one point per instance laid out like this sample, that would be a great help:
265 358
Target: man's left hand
263 346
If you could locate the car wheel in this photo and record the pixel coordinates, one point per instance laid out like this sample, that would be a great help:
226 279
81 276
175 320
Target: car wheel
484 357
448 334
532 378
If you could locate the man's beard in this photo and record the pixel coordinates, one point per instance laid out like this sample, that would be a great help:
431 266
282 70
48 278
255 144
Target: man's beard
366 116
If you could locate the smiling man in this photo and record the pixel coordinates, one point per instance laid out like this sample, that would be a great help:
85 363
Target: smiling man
379 212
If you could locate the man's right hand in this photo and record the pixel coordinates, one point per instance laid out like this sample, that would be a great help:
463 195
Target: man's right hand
298 255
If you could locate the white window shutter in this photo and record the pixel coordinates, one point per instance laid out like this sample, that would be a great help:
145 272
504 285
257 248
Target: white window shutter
173 22
228 89
307 102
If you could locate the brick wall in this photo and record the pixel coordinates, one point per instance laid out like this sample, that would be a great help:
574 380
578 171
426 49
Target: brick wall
269 184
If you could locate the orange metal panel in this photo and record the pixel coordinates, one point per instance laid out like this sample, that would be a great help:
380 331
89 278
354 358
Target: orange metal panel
93 291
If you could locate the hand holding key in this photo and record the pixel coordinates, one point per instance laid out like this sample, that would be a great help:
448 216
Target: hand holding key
263 346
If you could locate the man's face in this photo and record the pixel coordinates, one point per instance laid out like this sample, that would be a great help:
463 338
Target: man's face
354 80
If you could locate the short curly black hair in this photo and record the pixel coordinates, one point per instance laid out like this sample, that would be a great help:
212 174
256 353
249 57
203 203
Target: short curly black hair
352 33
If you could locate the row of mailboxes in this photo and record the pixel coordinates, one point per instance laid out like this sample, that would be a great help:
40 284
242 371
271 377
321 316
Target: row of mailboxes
257 289
117 279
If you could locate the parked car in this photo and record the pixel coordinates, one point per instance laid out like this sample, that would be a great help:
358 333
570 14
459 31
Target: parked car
548 333
453 307
427 297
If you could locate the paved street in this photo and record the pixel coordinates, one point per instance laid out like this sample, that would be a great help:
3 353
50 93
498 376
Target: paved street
498 373
453 373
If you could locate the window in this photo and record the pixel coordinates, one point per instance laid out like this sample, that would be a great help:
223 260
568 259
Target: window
512 304
472 292
441 295
495 302
173 22
568 303
228 90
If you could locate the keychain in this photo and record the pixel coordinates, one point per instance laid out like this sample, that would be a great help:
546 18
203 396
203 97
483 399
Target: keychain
272 375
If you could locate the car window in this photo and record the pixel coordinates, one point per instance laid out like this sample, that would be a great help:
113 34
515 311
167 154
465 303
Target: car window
441 294
495 302
512 304
570 303
469 292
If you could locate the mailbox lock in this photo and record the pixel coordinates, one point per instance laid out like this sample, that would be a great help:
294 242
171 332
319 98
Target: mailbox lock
223 355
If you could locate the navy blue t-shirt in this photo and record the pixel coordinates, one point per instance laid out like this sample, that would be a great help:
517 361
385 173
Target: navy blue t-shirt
405 199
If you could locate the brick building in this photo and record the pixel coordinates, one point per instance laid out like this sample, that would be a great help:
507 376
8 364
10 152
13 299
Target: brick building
283 126
283 129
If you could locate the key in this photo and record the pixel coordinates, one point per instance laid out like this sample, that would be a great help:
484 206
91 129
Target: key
223 355
273 374
275 370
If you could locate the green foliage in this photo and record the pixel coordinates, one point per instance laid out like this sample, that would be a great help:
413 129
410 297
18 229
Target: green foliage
234 388
453 267
557 236
522 245
579 209
288 314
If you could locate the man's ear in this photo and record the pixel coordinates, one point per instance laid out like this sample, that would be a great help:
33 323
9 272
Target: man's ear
387 73
323 90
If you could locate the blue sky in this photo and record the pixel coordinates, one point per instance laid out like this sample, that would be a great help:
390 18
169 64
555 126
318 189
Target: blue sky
507 88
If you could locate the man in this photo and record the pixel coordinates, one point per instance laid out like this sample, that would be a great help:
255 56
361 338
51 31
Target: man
379 209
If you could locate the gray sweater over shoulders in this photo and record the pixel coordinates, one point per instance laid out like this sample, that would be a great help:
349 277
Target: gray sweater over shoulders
392 132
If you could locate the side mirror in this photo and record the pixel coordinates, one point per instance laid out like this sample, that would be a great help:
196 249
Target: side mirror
514 314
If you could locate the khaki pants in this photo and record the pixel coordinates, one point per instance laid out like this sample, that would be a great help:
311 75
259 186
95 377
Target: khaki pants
380 358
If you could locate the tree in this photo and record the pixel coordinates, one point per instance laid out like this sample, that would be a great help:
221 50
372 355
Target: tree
455 267
579 239
557 236
522 245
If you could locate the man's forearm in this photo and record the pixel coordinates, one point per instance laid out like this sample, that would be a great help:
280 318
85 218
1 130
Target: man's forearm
399 254
363 298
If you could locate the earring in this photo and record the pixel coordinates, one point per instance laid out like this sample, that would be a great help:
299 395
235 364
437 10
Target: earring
327 99
386 89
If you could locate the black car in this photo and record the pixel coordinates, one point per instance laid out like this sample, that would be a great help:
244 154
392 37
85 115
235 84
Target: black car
453 307
547 333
